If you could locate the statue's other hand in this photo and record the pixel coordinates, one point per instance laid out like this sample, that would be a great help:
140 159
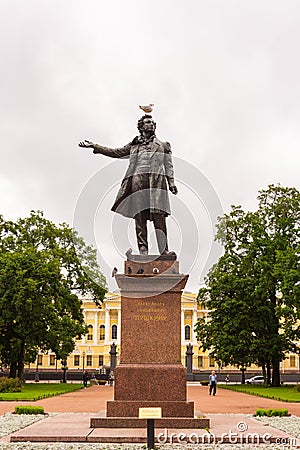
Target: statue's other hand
86 144
174 189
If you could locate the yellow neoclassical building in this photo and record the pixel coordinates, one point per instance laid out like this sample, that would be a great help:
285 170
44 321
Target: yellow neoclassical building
92 351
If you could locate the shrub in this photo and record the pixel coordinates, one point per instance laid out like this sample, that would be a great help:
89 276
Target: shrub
272 412
29 410
281 412
10 384
297 387
204 383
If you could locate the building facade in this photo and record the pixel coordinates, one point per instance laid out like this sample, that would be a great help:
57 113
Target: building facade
92 350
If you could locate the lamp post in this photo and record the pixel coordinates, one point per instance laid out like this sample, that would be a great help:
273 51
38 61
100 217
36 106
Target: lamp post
83 358
36 375
64 369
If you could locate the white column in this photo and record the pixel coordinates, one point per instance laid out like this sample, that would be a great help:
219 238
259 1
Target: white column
107 326
182 327
96 331
83 338
194 321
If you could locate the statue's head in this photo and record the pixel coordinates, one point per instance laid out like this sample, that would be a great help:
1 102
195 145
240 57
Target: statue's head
141 121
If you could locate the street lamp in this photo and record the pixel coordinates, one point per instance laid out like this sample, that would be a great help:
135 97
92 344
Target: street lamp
36 375
83 358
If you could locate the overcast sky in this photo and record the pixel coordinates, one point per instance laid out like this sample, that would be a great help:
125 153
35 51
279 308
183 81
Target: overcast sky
224 78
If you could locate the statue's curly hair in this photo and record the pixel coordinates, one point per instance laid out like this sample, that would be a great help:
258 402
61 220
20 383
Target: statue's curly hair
141 121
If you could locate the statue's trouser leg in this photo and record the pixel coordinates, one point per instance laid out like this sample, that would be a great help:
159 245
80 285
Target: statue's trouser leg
141 231
159 221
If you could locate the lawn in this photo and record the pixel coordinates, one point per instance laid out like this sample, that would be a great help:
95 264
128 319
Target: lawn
38 391
283 393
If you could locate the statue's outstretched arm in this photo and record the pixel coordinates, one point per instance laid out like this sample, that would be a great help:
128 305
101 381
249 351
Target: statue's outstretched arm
122 152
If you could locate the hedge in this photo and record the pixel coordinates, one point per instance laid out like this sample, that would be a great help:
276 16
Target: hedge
272 412
29 410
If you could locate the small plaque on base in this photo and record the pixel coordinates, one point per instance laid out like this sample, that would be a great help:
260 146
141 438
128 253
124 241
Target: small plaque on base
149 413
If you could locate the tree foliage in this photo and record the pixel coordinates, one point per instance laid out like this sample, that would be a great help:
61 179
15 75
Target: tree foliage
41 276
253 291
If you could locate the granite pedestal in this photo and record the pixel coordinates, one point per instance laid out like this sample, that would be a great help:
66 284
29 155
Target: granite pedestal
150 373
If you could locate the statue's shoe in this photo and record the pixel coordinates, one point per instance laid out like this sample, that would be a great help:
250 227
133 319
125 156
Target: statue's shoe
143 251
169 253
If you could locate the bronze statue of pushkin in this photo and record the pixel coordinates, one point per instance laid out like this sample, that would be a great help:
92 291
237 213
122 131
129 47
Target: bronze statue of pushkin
143 194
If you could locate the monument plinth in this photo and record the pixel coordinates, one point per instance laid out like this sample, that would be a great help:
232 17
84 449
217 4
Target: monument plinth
150 373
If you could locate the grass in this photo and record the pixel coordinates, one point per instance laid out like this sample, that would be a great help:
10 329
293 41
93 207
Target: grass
38 391
283 393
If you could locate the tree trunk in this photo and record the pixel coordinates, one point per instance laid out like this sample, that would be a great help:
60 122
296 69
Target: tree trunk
64 375
243 370
275 332
21 370
13 370
269 372
276 372
263 366
21 360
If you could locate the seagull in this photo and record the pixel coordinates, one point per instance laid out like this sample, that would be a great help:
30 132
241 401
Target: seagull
114 272
147 108
128 252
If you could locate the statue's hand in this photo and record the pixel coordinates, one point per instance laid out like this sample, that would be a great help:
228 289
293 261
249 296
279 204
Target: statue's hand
174 189
86 144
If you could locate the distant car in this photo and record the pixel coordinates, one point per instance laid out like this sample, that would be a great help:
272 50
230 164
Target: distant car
258 379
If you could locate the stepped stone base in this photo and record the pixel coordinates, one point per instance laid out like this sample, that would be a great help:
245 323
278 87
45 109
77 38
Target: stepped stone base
125 408
134 422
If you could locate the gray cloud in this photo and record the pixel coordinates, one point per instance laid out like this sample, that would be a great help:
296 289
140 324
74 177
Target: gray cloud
223 77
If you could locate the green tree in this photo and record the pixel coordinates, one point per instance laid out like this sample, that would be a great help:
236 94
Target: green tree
41 276
253 290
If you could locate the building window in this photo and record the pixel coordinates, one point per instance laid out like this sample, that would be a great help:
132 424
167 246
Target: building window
52 360
89 360
103 371
114 332
102 333
76 360
90 333
200 361
292 361
101 360
187 332
211 361
40 360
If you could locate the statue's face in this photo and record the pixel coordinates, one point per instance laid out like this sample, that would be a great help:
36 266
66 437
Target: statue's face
148 125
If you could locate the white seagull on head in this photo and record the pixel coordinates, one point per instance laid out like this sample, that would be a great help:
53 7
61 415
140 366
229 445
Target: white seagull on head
147 108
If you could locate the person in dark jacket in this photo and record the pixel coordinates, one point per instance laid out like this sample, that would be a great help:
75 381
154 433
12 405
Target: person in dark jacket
212 383
85 378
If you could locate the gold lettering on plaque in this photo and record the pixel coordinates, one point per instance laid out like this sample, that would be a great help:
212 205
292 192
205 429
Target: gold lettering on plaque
150 311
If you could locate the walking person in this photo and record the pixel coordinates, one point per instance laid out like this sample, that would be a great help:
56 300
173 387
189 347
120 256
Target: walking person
111 378
85 378
212 383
